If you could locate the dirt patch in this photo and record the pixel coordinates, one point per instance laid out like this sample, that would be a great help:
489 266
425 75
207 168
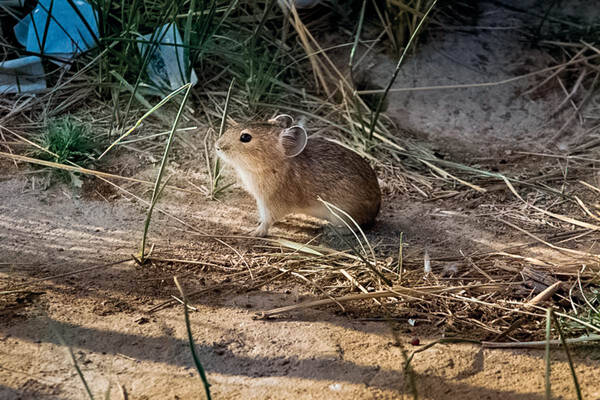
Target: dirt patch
479 122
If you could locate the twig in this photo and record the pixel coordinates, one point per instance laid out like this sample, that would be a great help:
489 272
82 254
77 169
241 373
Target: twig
540 344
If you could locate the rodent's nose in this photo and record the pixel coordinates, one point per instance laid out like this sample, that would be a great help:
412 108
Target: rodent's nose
220 146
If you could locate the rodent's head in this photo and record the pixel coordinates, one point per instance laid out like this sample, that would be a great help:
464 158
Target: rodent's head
258 145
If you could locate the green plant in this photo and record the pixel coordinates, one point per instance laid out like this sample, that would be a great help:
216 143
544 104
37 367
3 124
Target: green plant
122 25
588 313
67 141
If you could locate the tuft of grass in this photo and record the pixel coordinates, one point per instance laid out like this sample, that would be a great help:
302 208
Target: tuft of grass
587 314
400 19
66 140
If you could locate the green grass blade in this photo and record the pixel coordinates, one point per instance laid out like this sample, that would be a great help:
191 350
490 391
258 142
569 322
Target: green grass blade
76 365
156 192
547 354
357 36
569 357
84 21
188 327
149 51
155 197
187 34
355 100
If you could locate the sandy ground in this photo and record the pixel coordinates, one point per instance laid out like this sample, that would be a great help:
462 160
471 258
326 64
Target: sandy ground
103 313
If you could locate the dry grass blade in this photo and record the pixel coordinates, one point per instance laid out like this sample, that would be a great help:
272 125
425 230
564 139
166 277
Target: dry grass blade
557 68
296 246
346 221
98 174
395 292
304 35
445 174
316 303
563 218
562 249
592 187
439 341
540 298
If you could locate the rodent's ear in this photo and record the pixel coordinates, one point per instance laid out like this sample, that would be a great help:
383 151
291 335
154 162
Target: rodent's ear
293 140
283 120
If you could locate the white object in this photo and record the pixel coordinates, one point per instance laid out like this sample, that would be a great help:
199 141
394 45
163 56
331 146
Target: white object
22 75
336 387
167 68
426 263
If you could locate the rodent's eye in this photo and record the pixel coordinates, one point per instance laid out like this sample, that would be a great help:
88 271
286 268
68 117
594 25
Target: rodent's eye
245 137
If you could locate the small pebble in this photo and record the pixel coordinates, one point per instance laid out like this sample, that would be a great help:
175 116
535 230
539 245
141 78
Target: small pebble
415 341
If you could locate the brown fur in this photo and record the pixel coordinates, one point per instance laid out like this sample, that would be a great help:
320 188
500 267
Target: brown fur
285 185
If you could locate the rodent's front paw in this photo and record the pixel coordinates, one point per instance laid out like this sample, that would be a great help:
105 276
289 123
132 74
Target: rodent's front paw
261 231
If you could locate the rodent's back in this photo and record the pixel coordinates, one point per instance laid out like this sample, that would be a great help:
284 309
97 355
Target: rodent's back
337 175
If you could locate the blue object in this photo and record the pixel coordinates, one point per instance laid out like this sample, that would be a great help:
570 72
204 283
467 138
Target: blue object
67 35
22 75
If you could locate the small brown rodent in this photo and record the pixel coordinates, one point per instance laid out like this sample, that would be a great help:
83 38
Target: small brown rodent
287 172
